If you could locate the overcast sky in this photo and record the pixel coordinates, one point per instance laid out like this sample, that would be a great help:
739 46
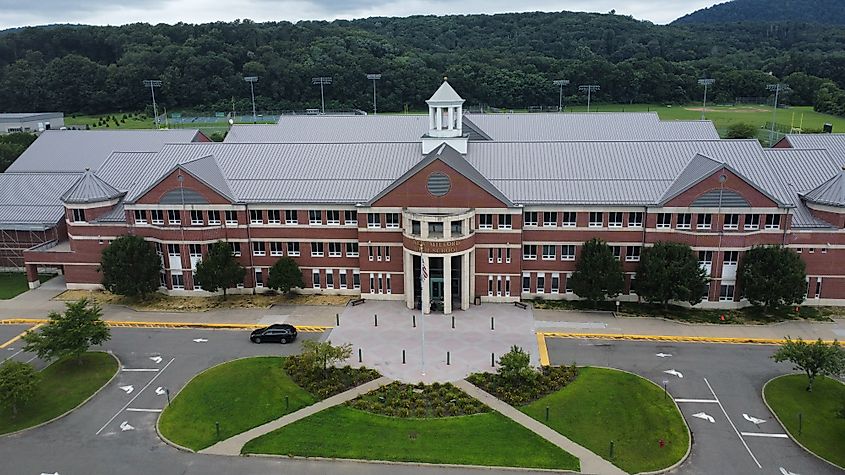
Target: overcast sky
15 13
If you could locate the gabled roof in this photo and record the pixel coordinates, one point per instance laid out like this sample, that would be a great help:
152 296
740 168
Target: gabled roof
30 201
454 160
830 193
445 95
90 188
833 143
204 169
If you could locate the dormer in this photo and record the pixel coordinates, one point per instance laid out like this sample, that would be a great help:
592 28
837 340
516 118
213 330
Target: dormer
827 201
445 120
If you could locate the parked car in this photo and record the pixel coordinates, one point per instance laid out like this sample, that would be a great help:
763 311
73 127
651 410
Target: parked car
277 333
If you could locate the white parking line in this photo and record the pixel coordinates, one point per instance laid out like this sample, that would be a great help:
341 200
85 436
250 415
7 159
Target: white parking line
765 434
10 357
703 401
135 409
140 370
32 359
136 397
732 423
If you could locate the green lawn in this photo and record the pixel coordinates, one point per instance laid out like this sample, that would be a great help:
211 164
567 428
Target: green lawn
240 395
603 405
132 121
63 386
481 439
821 430
14 283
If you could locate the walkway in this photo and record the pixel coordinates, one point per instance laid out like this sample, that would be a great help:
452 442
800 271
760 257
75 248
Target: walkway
590 462
233 445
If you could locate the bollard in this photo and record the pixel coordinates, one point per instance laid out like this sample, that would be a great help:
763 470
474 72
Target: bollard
287 402
492 327
403 356
800 423
359 355
413 321
492 360
547 413
611 449
664 391
453 322
375 319
448 359
337 319
217 429
167 391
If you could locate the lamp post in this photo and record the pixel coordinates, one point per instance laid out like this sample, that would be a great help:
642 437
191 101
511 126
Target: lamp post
252 80
322 81
560 83
589 89
705 83
152 84
778 88
374 78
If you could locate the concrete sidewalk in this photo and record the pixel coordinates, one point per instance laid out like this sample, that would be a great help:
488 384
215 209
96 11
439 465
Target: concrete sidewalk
590 462
234 445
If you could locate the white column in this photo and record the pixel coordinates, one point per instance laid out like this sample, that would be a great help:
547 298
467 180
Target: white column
472 275
408 269
432 112
447 285
466 275
460 122
439 112
451 118
447 229
426 290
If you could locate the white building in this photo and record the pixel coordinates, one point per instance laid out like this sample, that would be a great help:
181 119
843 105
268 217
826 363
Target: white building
31 121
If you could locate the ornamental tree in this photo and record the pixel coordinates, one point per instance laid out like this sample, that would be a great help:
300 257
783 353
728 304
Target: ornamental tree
320 355
18 384
817 358
70 333
598 275
219 269
130 267
285 275
772 276
741 130
670 271
515 365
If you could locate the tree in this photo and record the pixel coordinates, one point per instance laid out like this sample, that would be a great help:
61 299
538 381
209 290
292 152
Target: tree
772 276
18 384
515 365
598 274
741 130
219 269
70 333
130 267
817 358
670 271
285 275
320 355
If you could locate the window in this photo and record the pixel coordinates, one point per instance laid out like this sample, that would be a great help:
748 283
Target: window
705 221
705 258
731 222
614 219
812 250
315 217
335 249
256 216
490 255
555 283
617 252
435 229
173 217
457 228
236 248
485 221
195 250
157 216
214 217
332 217
731 258
315 279
549 253
508 255
541 283
350 218
726 292
391 220
684 221
568 288
161 280
259 278
635 219
772 221
632 254
370 253
596 219
498 256
140 216
372 284
549 218
329 279
342 275
507 285
529 251
569 219
818 293
531 218
293 249
290 216
567 252
173 250
752 222
158 248
490 285
526 283
196 218
387 283
274 216
258 249
387 253
78 216
276 249
505 221
178 281
664 220
632 287
356 280
352 249
231 217
317 249
378 253
373 220
415 228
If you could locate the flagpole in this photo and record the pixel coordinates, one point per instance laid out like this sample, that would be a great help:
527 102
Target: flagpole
422 308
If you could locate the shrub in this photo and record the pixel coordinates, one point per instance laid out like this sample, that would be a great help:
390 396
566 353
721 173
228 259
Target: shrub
418 400
517 393
326 383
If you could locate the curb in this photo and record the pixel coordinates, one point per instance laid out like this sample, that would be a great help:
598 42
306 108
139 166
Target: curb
791 437
543 349
172 325
672 338
119 368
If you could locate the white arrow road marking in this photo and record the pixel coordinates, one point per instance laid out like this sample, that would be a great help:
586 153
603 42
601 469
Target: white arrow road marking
764 434
138 409
786 472
124 426
753 419
54 473
128 389
156 359
674 373
663 355
200 340
160 391
135 397
700 401
705 416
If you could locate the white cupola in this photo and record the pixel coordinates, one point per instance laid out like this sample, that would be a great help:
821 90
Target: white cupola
445 120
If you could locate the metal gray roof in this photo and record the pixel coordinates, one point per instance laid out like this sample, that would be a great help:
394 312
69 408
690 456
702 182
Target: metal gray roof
699 168
32 200
800 171
28 116
208 171
831 192
444 94
833 143
90 189
76 150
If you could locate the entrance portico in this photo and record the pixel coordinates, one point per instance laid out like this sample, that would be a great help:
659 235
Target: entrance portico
447 284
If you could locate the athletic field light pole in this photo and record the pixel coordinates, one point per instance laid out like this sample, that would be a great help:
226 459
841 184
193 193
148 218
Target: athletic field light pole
778 88
152 84
252 80
423 277
374 78
322 81
590 89
705 83
560 83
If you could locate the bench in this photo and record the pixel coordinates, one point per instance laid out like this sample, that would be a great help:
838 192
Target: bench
356 302
520 305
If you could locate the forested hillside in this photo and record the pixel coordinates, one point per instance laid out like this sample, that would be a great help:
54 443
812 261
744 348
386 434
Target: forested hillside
831 12
506 60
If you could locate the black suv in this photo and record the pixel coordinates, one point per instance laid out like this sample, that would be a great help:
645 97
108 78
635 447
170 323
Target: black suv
277 333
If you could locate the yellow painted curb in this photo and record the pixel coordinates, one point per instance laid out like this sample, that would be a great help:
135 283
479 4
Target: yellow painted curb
19 336
670 338
544 352
171 325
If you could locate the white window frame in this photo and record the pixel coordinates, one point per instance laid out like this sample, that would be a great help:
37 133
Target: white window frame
175 286
569 219
341 274
356 279
315 219
316 281
276 248
635 219
731 226
555 286
291 216
485 221
214 217
549 256
614 219
392 220
530 218
540 283
507 255
632 253
549 219
317 249
505 221
174 217
335 249
751 222
274 216
704 221
333 217
596 224
258 248
684 225
258 276
662 221
231 214
350 217
529 252
352 249
329 278
157 216
256 216
772 221
293 249
194 221
140 216
565 254
490 255
373 220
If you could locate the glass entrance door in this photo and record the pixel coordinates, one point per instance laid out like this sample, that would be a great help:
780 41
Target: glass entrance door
437 292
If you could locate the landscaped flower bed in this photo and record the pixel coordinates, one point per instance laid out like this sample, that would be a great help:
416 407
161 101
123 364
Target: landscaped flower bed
326 383
419 400
517 392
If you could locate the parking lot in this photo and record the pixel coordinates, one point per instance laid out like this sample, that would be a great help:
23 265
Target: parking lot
723 382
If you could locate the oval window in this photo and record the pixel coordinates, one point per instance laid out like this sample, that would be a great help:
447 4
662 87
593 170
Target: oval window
439 184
